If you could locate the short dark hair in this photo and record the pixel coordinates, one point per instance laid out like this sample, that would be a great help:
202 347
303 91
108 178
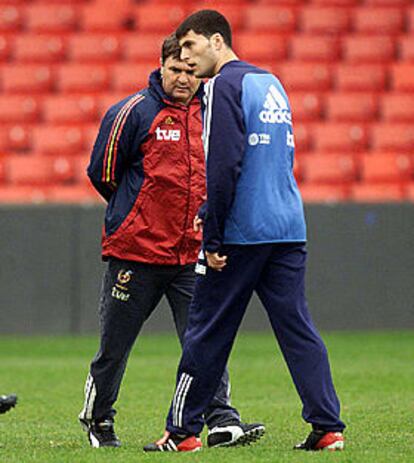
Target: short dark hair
170 47
207 23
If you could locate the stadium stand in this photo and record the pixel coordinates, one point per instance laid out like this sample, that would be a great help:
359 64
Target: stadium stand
348 66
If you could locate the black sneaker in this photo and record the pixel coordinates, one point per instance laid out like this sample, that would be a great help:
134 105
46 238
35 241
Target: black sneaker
7 402
235 434
102 434
322 440
175 443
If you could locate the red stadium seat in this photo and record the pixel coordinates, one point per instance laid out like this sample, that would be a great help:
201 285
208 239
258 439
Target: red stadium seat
393 137
388 2
26 78
329 168
363 49
383 167
314 48
281 2
157 18
12 194
317 20
305 76
336 2
35 48
402 77
80 165
409 193
131 77
410 19
398 107
106 17
37 170
51 17
2 171
90 132
11 18
361 77
349 107
376 192
5 48
63 140
106 100
142 47
72 194
406 47
245 45
90 48
19 109
63 109
83 78
314 193
15 138
306 106
303 137
371 19
234 12
270 18
340 137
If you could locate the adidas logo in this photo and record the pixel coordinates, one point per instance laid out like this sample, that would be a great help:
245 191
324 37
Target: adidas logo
275 108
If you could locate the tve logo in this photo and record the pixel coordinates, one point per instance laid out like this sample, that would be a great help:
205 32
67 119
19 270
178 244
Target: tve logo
275 108
167 135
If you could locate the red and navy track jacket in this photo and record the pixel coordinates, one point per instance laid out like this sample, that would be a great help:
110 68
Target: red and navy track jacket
148 163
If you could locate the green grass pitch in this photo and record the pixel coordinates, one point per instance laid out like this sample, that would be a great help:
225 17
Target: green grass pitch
373 372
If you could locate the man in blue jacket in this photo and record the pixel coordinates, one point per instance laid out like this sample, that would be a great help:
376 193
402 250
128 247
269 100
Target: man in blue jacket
254 239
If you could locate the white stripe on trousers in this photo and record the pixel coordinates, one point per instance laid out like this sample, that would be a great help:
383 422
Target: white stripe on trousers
179 398
90 395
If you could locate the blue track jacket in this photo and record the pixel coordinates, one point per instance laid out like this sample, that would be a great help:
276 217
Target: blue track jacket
248 139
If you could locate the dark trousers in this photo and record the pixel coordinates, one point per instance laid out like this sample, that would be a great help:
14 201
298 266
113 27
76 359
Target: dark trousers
277 273
130 293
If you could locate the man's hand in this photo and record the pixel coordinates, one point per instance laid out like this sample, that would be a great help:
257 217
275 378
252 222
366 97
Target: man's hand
197 224
215 261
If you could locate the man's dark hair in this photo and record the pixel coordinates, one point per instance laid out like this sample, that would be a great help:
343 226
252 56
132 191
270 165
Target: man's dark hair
207 23
170 47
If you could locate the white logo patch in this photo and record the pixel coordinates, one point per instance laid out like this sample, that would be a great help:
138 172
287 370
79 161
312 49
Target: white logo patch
259 139
167 135
275 108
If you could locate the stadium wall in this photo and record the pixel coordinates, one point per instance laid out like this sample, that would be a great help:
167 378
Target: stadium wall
360 274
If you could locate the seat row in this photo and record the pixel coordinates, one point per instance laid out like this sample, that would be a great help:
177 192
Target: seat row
330 168
75 109
127 77
66 16
109 48
309 137
63 179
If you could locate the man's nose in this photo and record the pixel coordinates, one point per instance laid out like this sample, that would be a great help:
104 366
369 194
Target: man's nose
184 55
183 78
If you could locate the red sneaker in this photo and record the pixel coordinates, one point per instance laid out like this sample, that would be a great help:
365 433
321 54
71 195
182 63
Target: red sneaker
175 443
322 440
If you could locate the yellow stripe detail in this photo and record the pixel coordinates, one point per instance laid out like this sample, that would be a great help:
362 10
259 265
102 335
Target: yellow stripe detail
121 117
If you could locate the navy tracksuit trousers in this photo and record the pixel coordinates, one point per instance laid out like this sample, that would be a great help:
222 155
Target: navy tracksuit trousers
277 273
130 293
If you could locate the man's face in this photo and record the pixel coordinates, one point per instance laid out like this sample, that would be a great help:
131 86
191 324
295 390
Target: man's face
197 51
178 80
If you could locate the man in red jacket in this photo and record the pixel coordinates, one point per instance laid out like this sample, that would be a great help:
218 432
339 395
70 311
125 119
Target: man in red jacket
148 164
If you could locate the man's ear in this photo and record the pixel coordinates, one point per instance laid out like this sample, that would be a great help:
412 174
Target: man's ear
217 41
